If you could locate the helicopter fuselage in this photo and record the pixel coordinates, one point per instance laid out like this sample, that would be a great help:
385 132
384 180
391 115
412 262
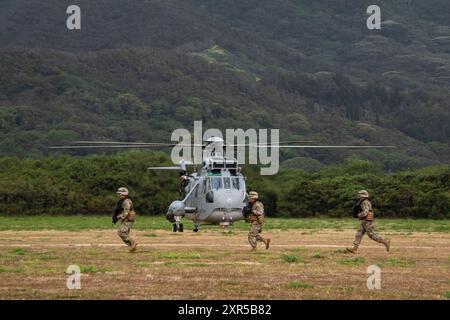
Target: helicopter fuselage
215 195
219 198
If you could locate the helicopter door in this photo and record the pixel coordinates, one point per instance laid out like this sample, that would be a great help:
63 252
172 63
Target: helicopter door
238 184
212 184
194 198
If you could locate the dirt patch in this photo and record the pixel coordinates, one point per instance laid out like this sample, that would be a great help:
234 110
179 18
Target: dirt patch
215 265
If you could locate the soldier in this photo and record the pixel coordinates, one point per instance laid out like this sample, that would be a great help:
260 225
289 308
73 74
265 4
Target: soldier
255 216
126 214
364 212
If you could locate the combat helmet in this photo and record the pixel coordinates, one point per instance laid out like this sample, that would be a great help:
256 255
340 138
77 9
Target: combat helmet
363 194
122 191
253 194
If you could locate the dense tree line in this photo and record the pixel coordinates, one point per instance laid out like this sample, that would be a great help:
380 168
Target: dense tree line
49 98
87 185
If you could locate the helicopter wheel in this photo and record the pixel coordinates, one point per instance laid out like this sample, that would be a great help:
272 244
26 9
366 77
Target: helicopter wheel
195 230
174 227
180 228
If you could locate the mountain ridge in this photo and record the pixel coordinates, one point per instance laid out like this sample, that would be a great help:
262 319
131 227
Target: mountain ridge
311 69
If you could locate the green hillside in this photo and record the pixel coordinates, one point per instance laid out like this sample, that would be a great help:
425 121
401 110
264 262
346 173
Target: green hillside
138 70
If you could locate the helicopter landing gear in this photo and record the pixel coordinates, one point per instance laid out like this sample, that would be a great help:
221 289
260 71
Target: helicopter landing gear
177 226
196 226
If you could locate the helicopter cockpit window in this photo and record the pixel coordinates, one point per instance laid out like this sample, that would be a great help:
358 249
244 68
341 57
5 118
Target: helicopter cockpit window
215 183
236 183
226 183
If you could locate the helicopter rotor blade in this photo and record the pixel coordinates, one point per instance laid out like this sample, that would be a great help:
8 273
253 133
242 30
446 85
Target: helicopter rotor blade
307 146
139 145
120 143
105 146
257 146
330 146
83 144
159 143
181 166
86 144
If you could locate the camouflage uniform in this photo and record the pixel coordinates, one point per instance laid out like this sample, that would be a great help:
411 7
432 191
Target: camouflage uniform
256 220
366 216
126 224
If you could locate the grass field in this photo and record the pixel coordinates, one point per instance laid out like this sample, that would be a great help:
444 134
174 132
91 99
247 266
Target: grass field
306 260
79 223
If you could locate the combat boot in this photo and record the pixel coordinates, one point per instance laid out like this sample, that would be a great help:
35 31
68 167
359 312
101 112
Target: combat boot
267 242
352 250
133 246
387 244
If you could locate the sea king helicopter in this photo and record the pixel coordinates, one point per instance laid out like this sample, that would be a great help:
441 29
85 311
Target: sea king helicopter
216 193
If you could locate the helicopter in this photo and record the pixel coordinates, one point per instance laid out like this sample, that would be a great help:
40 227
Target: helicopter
213 195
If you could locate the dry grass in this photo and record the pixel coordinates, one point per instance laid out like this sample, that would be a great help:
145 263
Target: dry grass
214 265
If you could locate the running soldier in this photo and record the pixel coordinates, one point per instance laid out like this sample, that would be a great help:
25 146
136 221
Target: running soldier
126 214
363 210
254 213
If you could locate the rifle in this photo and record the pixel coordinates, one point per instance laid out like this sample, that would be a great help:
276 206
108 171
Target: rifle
246 211
117 211
114 218
356 209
